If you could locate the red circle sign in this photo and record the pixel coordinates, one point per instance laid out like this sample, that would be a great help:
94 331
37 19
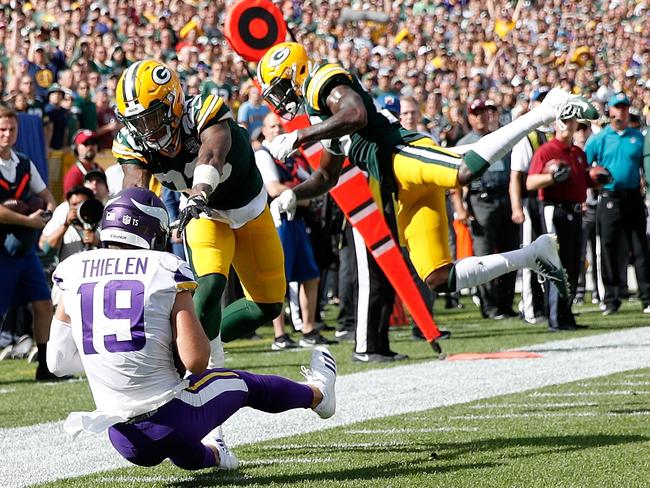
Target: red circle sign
253 26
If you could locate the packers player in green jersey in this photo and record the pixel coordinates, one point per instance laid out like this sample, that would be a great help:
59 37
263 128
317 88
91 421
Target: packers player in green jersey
192 145
345 120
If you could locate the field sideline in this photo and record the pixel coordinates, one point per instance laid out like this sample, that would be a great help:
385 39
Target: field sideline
361 396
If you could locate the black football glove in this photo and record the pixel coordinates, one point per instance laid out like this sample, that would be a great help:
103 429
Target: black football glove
561 174
196 205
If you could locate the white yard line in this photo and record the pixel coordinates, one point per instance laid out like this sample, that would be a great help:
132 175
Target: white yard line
41 453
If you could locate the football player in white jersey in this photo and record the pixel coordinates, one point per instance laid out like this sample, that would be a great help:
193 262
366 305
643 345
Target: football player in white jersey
127 319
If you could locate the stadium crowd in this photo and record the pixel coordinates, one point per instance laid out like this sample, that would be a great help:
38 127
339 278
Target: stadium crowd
446 61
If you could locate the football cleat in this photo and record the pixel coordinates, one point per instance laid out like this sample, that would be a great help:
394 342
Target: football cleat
567 106
322 375
548 264
227 459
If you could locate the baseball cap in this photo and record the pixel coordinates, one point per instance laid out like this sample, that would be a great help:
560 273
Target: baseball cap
84 136
55 87
538 94
384 72
618 99
390 103
476 106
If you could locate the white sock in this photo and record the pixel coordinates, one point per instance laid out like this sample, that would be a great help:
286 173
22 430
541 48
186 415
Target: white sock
493 146
476 270
217 357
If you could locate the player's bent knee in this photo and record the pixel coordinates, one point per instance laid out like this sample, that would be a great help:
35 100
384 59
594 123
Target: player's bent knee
270 310
439 279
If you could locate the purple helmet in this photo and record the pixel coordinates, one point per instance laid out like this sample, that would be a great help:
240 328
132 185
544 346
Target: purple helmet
136 216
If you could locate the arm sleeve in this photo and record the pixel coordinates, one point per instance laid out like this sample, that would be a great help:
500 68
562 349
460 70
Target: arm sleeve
36 183
62 353
57 220
266 165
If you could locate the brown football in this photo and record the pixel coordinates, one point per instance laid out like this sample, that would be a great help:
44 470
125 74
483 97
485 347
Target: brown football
599 175
25 208
552 165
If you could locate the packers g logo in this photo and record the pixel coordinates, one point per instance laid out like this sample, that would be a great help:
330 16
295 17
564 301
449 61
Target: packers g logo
161 75
279 56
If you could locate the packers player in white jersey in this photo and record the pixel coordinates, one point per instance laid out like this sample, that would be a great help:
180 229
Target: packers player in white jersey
345 120
192 145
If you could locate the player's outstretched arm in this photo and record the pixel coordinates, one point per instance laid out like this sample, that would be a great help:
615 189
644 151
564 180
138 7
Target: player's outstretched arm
349 116
192 343
323 179
215 145
62 353
135 176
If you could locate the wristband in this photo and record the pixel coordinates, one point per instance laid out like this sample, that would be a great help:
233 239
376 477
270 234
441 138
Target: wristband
206 174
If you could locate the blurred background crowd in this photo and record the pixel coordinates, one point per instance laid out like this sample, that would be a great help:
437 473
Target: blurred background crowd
429 61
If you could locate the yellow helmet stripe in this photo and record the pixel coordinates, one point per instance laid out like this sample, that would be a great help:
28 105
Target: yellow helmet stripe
209 112
129 81
320 77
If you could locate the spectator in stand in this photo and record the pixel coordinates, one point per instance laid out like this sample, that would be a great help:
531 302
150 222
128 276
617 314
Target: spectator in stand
23 278
58 115
252 112
42 72
562 192
621 212
84 107
107 123
217 84
84 145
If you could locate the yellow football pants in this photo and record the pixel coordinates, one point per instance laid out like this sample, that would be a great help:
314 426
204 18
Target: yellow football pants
254 251
423 171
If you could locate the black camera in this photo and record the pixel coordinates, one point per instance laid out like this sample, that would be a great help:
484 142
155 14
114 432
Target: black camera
89 214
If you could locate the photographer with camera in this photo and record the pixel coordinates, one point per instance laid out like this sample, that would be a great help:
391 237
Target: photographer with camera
66 233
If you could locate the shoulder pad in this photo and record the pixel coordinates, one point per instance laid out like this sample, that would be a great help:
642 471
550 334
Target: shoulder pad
319 79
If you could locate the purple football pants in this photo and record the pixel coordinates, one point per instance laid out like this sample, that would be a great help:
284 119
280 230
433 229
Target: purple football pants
176 429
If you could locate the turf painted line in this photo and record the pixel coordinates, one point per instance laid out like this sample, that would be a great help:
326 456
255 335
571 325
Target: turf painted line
361 396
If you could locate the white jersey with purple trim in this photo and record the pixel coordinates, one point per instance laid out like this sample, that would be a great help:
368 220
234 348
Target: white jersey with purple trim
119 303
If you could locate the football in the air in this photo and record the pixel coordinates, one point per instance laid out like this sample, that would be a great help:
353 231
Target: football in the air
553 165
25 208
599 175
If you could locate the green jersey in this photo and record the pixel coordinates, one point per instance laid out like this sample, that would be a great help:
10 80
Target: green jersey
370 148
241 182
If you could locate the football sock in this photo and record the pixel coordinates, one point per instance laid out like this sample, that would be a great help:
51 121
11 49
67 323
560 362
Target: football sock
207 300
493 146
274 394
217 358
243 317
42 355
476 270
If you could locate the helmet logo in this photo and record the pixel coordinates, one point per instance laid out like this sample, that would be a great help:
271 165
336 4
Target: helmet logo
279 56
161 75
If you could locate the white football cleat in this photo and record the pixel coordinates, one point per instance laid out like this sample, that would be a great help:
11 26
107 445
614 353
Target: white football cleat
227 459
322 375
548 264
567 106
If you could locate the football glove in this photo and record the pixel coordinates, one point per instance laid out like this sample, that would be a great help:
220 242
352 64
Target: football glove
196 205
561 174
284 203
283 145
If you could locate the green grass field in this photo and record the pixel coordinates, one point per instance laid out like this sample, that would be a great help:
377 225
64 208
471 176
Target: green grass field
591 433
